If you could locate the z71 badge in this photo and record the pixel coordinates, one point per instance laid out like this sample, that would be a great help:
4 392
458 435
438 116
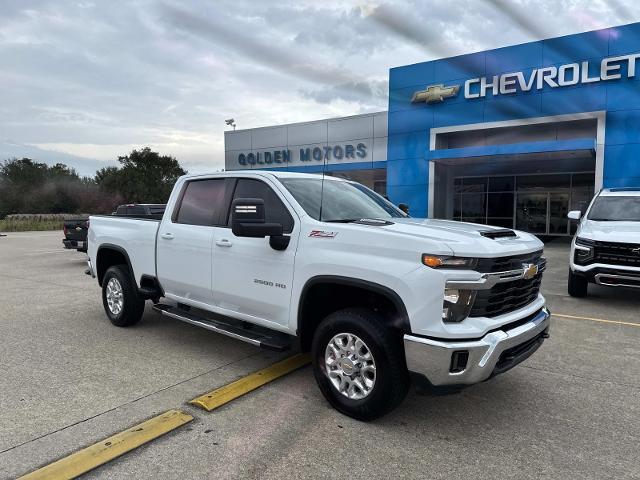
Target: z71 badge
322 234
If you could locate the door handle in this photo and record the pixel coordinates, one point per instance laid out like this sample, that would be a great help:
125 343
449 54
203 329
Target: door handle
224 242
167 236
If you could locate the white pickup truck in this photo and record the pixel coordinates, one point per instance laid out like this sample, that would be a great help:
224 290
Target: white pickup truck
606 247
328 266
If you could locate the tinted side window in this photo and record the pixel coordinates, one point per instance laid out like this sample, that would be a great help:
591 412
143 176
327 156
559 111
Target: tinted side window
275 211
201 202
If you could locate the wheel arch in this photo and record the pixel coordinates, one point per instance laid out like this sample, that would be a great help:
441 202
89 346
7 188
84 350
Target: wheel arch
345 292
109 255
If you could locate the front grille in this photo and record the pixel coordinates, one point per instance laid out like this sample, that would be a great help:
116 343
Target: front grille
506 297
504 264
614 253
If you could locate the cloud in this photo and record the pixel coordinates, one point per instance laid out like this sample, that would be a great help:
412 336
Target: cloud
94 79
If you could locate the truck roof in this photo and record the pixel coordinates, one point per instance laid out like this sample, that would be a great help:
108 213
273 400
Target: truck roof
277 174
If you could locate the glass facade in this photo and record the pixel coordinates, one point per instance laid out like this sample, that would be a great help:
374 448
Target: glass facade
536 203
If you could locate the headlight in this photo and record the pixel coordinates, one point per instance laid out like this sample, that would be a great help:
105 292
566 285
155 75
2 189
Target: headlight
457 304
442 261
584 251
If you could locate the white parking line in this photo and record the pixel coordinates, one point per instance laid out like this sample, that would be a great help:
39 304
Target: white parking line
601 320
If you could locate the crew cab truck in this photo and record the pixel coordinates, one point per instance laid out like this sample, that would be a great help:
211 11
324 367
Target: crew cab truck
328 266
606 247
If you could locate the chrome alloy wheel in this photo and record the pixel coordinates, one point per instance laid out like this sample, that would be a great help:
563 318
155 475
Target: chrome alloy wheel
350 366
115 296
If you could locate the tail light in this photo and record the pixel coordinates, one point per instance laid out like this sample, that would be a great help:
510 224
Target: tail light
64 230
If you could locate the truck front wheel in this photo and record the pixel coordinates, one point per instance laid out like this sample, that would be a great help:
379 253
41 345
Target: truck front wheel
359 363
121 301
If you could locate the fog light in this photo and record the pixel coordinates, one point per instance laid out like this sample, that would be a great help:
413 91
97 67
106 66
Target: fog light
459 361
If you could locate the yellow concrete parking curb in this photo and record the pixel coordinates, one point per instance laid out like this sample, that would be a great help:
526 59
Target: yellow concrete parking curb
102 452
601 320
220 396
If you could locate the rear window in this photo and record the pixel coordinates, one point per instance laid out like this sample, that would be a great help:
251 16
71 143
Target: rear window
156 209
201 202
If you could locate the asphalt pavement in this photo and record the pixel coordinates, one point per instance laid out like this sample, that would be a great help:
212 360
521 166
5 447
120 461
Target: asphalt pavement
68 379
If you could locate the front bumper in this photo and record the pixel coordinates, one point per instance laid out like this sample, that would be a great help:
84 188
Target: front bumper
496 352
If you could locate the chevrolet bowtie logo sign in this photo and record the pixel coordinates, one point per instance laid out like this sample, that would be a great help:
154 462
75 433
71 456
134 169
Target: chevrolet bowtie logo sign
435 93
529 270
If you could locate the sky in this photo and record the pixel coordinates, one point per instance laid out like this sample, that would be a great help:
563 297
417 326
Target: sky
83 82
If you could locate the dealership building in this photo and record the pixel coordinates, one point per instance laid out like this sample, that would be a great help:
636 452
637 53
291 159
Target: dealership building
514 137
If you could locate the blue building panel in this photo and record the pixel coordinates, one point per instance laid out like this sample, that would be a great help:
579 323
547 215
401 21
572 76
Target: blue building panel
537 82
575 48
407 172
623 127
514 106
510 59
407 145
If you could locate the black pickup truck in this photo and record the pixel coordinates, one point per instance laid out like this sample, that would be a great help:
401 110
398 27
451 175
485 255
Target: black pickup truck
141 210
76 229
75 234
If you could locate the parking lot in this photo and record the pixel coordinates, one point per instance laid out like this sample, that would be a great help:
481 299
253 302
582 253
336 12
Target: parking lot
68 379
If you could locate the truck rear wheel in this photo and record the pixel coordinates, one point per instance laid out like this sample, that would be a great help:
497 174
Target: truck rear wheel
358 363
120 298
577 285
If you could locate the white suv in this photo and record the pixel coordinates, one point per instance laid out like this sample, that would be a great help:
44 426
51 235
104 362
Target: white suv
606 247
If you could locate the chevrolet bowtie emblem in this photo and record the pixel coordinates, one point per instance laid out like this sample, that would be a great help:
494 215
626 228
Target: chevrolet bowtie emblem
529 270
636 251
435 93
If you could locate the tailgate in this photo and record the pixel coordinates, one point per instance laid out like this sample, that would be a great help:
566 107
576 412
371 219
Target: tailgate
75 229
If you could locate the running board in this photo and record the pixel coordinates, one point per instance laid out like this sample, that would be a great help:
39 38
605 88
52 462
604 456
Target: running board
272 341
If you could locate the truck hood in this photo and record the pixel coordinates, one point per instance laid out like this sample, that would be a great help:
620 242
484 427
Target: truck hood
625 232
464 239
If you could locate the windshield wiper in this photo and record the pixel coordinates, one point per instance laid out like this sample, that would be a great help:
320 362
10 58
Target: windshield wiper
343 220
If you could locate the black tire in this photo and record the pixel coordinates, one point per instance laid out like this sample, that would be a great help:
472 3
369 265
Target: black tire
385 344
577 285
132 305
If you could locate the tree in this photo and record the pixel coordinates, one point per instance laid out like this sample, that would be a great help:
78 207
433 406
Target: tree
144 176
32 187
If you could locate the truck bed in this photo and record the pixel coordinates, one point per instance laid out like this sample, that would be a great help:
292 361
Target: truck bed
135 236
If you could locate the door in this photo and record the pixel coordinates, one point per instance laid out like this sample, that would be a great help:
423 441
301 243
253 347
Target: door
249 277
542 213
184 246
531 212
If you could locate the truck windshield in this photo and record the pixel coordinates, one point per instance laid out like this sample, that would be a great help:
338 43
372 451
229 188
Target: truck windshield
615 209
341 201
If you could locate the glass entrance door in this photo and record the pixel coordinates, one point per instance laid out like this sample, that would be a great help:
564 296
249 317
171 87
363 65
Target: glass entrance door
531 212
542 213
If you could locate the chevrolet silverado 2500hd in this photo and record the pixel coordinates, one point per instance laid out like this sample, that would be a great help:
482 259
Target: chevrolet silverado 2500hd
269 258
606 247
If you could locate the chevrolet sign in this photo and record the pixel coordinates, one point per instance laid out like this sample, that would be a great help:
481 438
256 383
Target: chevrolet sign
435 93
611 68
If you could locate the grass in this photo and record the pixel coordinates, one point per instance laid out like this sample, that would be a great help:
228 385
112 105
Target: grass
29 224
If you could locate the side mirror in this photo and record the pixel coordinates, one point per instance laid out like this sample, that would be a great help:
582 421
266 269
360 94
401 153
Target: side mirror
404 207
248 219
574 215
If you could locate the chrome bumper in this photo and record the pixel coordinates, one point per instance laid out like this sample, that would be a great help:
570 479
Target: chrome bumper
433 358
